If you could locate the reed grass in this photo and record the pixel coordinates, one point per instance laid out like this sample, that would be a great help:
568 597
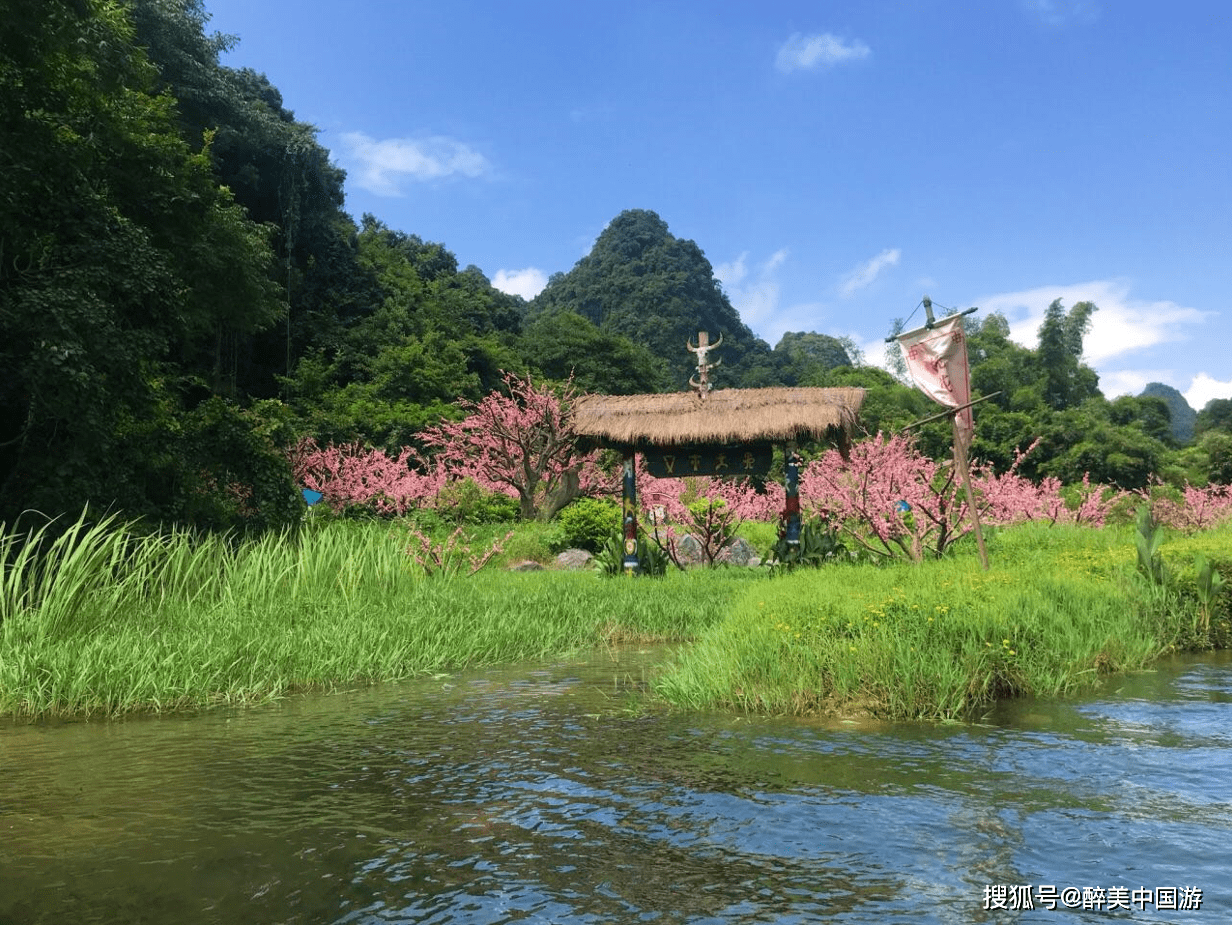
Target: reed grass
102 619
1060 608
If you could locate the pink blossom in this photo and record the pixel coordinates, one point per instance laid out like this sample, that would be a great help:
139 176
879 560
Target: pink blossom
1199 509
522 443
353 475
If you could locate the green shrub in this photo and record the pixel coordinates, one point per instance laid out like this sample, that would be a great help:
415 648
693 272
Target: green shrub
585 524
468 502
610 559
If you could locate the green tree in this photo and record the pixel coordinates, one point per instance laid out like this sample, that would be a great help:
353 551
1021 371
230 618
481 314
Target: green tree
280 175
563 344
806 356
433 336
1148 414
1217 415
1067 383
121 256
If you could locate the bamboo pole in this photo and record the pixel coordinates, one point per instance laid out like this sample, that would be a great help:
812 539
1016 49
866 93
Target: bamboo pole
964 469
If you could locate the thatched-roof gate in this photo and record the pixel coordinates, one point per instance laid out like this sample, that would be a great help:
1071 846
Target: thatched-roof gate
721 416
726 432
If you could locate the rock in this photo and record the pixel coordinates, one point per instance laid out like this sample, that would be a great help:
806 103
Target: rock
738 551
689 550
573 559
527 566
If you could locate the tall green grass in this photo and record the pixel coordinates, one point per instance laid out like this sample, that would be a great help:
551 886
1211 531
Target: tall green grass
100 618
1060 608
103 619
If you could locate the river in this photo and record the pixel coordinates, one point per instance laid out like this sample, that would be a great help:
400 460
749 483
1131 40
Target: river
543 793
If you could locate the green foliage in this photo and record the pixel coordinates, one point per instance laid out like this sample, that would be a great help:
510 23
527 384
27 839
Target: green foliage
234 477
1084 441
431 339
1216 447
936 642
1209 583
889 405
1217 415
586 523
820 544
561 343
465 501
1067 382
1147 540
122 258
609 560
806 357
1048 393
1181 415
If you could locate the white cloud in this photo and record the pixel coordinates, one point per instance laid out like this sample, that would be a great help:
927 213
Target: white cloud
1204 388
1122 324
1063 12
864 275
1130 381
381 166
806 52
527 283
756 298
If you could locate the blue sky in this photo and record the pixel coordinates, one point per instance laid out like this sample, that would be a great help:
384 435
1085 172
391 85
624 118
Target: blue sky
835 161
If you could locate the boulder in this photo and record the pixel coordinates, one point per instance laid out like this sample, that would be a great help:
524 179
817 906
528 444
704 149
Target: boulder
527 566
738 551
689 550
573 559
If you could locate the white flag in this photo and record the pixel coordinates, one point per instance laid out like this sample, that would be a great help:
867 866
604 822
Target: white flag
937 360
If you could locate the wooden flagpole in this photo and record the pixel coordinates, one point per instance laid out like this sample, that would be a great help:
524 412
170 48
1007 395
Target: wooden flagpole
960 447
964 469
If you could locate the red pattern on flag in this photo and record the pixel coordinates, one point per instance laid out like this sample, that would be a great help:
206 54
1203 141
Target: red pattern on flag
937 361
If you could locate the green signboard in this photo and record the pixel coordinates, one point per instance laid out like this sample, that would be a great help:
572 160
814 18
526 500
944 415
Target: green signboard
733 460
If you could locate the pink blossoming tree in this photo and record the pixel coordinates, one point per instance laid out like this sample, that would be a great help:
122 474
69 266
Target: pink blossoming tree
521 440
351 475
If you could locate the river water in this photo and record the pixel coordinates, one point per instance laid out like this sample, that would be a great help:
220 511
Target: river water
542 794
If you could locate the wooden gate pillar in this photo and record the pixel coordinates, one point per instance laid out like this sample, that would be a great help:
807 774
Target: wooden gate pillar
629 513
791 511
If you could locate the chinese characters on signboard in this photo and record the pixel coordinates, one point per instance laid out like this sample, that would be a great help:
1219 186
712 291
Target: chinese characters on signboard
724 460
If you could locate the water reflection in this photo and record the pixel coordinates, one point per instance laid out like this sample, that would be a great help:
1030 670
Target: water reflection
529 795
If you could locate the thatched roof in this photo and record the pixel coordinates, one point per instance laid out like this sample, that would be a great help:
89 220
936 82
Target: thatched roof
723 416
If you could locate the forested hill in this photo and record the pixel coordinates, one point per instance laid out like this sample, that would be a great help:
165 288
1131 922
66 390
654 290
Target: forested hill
659 291
641 282
1184 418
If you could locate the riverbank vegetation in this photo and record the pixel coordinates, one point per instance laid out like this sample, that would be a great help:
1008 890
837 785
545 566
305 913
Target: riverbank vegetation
1062 607
108 621
104 620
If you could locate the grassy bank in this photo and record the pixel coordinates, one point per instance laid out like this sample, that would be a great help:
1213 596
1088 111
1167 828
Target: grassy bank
107 621
110 622
1061 608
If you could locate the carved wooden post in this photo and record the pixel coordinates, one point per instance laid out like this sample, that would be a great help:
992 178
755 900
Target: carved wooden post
629 513
791 511
702 384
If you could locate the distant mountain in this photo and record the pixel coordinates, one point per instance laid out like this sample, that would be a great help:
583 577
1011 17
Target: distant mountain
1183 416
658 290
